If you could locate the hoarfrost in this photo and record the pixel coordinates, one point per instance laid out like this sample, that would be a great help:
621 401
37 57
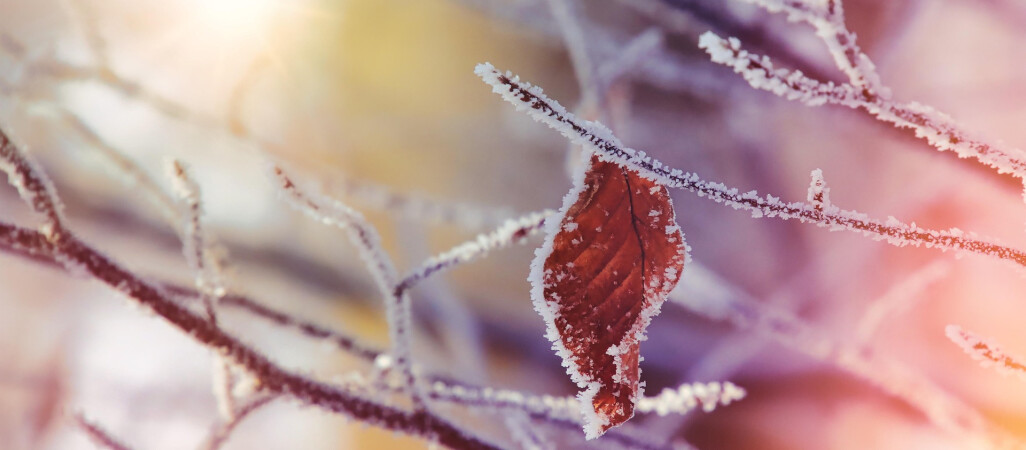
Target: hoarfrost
987 352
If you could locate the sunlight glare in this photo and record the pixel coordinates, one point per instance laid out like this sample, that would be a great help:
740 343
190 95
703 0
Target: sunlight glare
236 21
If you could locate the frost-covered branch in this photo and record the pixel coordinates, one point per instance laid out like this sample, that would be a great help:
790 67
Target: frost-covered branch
133 176
557 411
819 194
566 410
936 128
512 232
598 139
33 187
987 352
198 247
78 257
418 208
827 17
97 434
365 237
544 409
34 245
561 412
223 431
688 397
341 341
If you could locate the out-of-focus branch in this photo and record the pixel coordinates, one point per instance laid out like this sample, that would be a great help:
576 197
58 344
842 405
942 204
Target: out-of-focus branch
938 129
566 14
944 410
81 258
365 237
222 432
559 412
509 233
418 208
198 246
899 298
987 352
97 434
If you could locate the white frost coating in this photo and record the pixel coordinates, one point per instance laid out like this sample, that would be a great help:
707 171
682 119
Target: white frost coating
34 187
550 312
368 243
197 243
819 193
597 138
759 72
199 250
591 135
510 232
592 422
681 400
938 129
987 352
688 397
828 20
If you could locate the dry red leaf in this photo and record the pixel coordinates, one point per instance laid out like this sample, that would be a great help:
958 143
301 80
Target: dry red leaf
603 273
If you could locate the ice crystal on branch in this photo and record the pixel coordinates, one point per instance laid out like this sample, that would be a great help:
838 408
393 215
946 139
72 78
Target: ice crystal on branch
864 90
988 353
596 137
687 397
637 73
819 193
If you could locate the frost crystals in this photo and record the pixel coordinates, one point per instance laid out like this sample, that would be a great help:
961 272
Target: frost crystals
610 258
987 352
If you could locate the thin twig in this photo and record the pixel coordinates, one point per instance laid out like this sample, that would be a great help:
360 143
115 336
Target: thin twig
133 176
987 352
509 233
97 434
573 37
220 434
365 237
196 245
936 128
599 139
559 412
78 257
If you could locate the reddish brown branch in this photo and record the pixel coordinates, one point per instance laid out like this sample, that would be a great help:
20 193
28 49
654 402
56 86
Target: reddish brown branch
98 435
79 257
223 431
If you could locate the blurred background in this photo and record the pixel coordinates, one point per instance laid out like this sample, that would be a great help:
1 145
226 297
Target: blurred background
375 102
